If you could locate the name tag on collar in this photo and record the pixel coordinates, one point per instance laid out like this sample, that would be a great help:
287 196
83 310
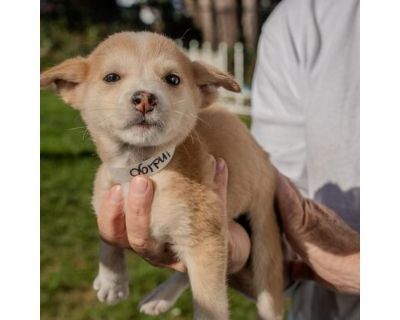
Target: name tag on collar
147 167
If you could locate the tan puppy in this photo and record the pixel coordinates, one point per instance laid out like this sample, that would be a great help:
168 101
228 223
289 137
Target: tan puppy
142 98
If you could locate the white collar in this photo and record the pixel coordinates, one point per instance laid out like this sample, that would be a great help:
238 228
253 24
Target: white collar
147 167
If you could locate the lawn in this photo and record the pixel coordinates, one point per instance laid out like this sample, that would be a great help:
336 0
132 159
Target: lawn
69 234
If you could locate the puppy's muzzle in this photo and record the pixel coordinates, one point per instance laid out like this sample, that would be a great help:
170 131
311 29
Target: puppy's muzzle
144 101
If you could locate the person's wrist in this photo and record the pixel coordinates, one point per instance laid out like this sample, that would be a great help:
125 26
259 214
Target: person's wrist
342 272
350 274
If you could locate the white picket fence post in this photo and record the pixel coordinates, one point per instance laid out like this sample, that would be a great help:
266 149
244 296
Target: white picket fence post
236 102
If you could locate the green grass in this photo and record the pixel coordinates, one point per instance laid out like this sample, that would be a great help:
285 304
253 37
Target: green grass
61 129
69 234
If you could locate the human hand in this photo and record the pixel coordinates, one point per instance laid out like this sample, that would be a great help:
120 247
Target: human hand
131 229
329 249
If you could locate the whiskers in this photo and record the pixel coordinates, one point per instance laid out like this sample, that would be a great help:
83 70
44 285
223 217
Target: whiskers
194 136
85 132
196 117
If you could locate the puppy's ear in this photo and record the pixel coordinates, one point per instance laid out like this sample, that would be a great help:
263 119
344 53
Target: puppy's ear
209 79
66 77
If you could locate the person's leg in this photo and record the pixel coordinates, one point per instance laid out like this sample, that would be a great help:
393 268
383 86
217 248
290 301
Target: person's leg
310 301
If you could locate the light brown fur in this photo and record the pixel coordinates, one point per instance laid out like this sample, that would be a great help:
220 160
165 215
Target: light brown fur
185 211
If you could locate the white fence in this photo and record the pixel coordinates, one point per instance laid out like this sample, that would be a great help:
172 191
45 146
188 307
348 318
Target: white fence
236 102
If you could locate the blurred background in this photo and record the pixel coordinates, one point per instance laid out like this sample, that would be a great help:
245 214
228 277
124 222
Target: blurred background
221 32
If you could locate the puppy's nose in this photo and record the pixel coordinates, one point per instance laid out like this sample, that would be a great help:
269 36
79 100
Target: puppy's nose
144 101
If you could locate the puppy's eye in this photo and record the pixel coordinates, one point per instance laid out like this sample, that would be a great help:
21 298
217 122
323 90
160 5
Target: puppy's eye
111 77
172 79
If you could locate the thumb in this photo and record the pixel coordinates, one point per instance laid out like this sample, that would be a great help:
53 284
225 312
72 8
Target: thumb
138 212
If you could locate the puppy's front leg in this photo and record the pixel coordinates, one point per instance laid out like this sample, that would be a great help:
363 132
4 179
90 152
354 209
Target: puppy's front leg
112 283
207 265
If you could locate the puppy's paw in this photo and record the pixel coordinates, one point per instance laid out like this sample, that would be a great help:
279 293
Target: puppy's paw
111 289
156 303
155 307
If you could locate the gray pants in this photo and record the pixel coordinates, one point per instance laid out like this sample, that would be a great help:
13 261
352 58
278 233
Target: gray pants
326 304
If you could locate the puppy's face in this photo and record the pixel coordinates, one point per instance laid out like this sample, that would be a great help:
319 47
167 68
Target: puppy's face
138 88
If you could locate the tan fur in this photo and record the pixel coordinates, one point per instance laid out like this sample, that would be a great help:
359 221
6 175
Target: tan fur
185 210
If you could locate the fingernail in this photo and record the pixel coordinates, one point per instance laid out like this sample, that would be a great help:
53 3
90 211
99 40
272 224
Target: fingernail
220 165
116 194
139 185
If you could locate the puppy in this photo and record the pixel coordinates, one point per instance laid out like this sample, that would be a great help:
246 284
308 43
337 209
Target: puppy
149 110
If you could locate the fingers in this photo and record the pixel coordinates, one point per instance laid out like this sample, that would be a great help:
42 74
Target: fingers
132 228
239 247
111 218
138 213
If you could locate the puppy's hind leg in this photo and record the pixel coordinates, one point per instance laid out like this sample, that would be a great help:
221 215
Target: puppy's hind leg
267 263
165 295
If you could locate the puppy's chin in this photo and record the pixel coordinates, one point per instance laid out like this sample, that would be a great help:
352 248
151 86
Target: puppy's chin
142 135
